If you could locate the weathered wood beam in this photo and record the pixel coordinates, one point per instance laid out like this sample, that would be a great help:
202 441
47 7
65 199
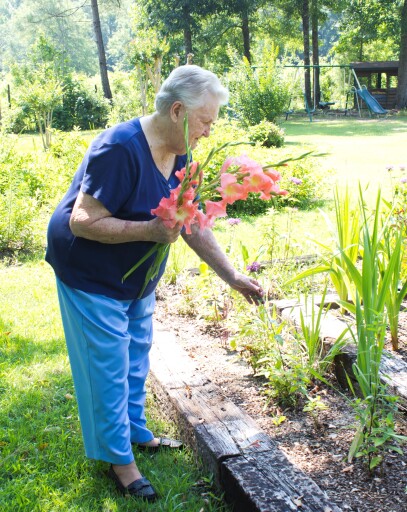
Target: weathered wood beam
246 463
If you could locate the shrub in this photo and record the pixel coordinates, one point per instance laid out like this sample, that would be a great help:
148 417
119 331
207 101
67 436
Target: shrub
81 107
126 104
267 134
58 166
17 119
31 185
258 93
19 190
305 184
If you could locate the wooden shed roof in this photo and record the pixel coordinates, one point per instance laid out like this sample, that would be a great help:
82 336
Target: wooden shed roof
389 66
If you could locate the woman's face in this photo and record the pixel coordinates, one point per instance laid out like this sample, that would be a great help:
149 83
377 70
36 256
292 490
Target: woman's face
201 119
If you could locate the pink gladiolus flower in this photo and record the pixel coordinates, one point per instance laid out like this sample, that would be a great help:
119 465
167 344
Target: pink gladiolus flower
167 207
171 213
230 190
257 181
180 174
246 164
226 164
202 219
273 174
276 190
215 209
192 170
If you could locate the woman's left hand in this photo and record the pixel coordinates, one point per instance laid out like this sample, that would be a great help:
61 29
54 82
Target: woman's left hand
249 288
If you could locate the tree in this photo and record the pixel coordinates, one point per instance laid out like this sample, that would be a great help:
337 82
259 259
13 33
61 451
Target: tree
365 22
401 98
305 15
173 17
242 10
101 50
146 52
21 21
40 86
315 49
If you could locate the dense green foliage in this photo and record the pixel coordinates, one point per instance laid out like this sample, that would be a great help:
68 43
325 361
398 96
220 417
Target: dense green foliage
31 184
80 107
148 39
267 134
258 93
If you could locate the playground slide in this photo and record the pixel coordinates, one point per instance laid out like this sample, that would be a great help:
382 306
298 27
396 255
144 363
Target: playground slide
371 102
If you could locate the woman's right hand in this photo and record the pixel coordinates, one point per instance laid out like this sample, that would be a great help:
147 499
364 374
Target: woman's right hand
161 233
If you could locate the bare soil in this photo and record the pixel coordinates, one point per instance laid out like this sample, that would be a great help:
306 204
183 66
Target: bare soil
320 450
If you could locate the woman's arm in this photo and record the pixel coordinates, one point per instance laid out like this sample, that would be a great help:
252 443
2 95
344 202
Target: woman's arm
204 243
91 220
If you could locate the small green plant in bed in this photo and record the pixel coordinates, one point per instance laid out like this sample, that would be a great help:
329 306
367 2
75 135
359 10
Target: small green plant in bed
289 362
261 340
343 241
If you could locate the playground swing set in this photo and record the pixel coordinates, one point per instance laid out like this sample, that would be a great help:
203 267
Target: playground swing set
352 89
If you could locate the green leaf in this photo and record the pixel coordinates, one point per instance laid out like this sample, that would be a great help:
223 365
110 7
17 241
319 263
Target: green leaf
375 461
356 443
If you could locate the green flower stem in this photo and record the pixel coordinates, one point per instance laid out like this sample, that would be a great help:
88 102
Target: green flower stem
153 249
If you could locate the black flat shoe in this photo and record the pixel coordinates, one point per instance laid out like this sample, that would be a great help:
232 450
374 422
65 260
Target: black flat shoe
140 488
163 443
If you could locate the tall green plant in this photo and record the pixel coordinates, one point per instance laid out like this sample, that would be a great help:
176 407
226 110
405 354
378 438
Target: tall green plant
393 251
345 248
372 281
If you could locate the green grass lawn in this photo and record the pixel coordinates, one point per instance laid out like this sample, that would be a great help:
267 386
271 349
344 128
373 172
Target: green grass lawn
42 463
357 149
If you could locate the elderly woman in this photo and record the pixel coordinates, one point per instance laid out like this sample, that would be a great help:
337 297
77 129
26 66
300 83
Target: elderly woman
103 226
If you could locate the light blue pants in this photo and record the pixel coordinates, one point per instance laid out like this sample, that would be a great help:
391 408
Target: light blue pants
108 344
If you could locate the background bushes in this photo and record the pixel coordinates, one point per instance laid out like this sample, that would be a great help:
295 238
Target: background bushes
31 184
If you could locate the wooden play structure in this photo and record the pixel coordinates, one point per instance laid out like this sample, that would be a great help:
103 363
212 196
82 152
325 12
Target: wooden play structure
380 80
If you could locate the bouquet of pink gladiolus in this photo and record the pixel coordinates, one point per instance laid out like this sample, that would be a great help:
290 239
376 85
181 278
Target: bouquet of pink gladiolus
192 202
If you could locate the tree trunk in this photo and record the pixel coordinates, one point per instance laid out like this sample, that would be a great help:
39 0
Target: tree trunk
101 50
401 98
246 36
315 52
187 30
305 30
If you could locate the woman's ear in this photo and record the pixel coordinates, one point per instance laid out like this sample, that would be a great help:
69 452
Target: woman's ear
177 111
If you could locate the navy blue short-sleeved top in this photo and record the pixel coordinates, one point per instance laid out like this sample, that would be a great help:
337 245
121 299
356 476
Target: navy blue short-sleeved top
118 170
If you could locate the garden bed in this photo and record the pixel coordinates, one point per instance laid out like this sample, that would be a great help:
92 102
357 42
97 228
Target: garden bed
319 451
393 366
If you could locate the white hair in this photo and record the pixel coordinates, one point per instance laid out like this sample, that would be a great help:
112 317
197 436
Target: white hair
189 85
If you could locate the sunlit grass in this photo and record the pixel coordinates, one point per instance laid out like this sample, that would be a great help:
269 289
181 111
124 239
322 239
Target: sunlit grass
42 463
357 150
